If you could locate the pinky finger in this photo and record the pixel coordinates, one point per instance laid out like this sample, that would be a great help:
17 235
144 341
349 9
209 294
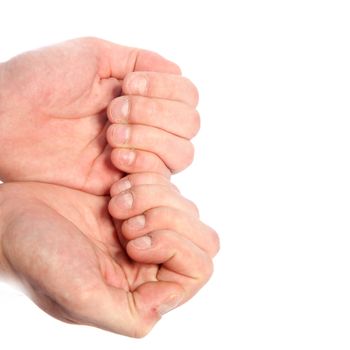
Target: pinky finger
137 161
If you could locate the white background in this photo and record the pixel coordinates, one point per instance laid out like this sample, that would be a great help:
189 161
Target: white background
271 173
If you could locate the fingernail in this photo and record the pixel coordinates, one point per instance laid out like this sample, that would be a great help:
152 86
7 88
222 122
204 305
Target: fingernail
138 85
169 304
137 222
125 156
143 242
124 200
120 110
122 134
123 185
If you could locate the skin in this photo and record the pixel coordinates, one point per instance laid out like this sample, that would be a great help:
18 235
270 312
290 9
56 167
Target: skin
70 116
83 266
58 124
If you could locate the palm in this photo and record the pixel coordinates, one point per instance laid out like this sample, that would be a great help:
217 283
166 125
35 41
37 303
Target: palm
66 247
53 112
59 127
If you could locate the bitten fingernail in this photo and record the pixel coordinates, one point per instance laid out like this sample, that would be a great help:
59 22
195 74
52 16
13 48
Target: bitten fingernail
143 242
138 84
124 200
120 110
137 222
122 134
126 156
123 185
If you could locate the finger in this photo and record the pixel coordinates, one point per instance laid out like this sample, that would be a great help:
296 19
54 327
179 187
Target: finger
146 178
166 218
161 85
131 314
134 180
176 152
138 199
137 161
117 60
182 261
175 117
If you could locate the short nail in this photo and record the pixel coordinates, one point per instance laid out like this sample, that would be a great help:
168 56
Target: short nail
126 156
124 200
123 185
122 134
138 85
137 222
143 242
169 304
120 110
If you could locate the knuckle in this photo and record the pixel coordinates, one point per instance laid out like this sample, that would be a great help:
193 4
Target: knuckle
188 155
195 96
208 269
156 165
193 93
186 158
195 123
141 108
158 215
193 208
214 242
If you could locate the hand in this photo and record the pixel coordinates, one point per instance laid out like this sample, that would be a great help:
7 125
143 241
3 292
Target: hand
64 247
153 124
53 114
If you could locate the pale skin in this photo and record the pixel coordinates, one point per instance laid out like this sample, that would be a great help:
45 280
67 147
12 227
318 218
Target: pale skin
53 105
66 233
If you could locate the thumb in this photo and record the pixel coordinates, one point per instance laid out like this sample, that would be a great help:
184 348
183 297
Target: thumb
154 299
131 314
117 60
